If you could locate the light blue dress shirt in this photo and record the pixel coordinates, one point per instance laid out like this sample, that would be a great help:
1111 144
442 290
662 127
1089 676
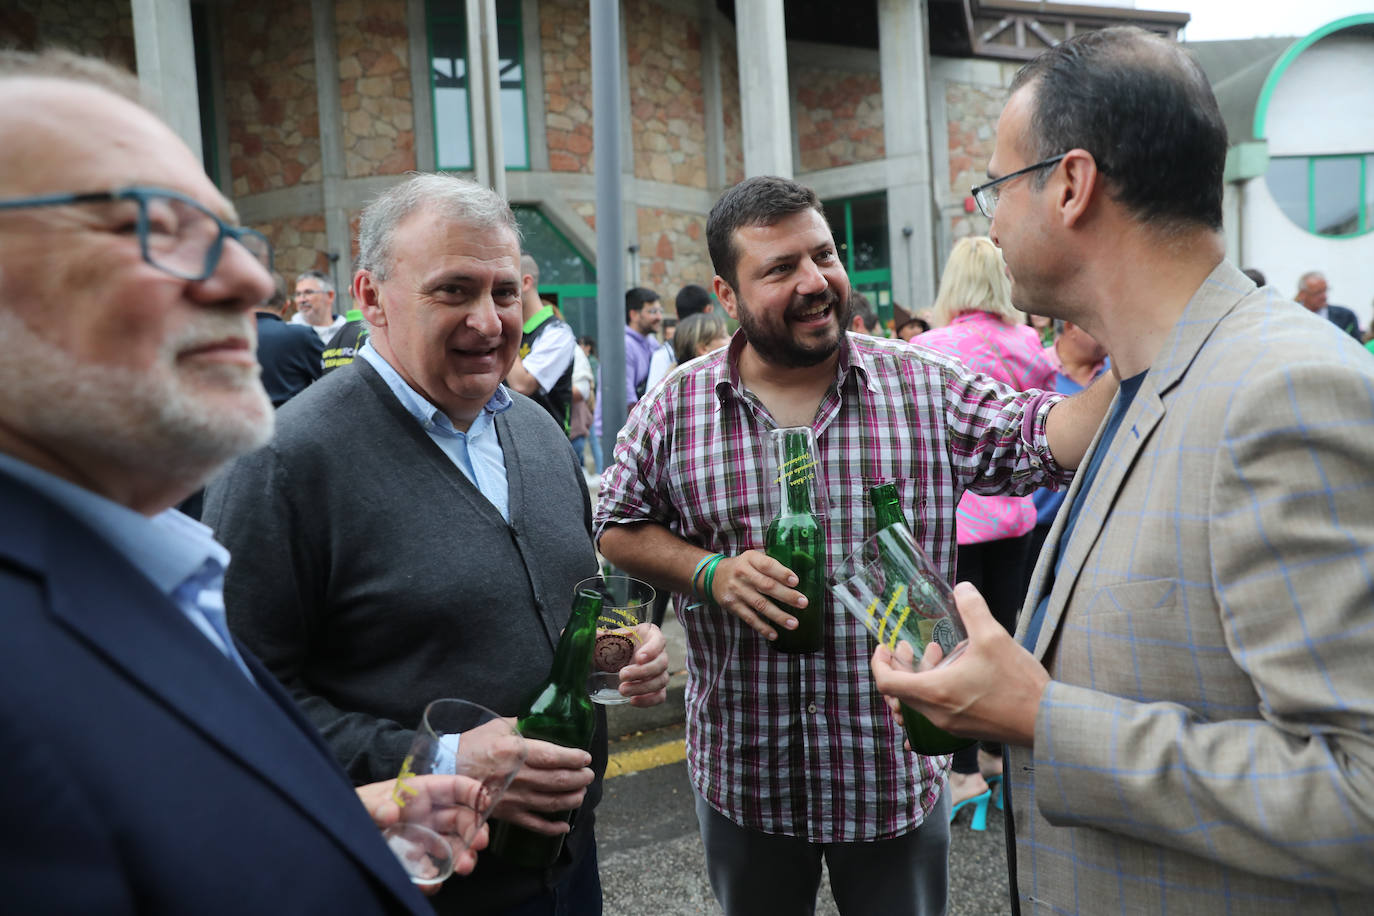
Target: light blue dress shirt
178 554
477 452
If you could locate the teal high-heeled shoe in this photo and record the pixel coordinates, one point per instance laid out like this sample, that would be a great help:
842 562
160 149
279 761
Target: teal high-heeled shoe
980 810
998 794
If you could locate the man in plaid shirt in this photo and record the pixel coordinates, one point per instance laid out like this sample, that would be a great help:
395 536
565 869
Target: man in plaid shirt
795 758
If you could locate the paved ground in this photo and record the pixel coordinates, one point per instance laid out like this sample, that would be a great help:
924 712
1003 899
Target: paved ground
651 858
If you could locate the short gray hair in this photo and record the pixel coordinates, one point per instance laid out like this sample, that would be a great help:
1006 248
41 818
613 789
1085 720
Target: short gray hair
457 198
319 277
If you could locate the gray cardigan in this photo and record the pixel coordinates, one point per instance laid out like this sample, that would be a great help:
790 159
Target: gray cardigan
372 577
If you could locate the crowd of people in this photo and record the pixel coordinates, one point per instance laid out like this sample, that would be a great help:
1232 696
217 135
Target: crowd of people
208 716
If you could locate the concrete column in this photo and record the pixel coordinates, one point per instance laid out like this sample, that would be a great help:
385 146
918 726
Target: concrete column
905 66
338 235
766 117
711 92
484 96
422 99
165 54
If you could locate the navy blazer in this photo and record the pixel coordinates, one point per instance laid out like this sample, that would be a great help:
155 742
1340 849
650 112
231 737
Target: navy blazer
140 771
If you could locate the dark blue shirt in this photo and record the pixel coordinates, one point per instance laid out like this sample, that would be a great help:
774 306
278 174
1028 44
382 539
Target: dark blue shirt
1129 388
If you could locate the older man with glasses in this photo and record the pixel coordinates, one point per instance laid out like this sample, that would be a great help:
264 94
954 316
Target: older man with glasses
150 764
315 305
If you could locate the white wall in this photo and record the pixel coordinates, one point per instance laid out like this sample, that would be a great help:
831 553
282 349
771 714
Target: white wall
1271 242
1324 102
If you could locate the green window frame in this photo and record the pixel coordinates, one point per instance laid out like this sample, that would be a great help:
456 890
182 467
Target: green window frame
1306 211
565 276
869 266
450 89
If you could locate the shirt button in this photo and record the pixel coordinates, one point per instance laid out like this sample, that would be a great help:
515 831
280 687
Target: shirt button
811 708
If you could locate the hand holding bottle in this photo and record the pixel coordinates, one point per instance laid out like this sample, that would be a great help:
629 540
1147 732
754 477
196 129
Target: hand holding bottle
992 691
554 779
744 584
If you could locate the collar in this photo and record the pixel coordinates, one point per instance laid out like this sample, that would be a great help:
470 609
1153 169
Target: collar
855 359
537 319
167 548
419 406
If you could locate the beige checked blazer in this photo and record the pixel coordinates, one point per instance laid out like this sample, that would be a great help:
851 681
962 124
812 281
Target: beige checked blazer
1207 745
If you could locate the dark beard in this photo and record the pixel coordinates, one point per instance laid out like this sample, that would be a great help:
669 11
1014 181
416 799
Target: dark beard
780 350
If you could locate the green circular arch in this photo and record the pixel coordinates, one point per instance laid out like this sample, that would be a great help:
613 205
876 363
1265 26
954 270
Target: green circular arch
1284 62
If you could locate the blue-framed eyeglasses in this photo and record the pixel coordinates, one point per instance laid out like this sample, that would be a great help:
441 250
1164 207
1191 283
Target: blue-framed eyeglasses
986 194
175 234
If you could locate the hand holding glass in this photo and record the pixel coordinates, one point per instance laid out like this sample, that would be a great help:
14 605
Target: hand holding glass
891 587
440 818
621 629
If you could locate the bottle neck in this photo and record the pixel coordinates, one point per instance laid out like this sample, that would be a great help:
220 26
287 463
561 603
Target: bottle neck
572 659
886 504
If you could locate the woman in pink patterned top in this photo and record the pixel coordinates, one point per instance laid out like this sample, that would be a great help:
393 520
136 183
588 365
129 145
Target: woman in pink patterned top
978 325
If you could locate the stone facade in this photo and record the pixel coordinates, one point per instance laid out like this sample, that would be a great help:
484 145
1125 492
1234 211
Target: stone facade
566 53
298 245
672 250
269 93
102 28
839 117
374 87
972 111
730 111
666 103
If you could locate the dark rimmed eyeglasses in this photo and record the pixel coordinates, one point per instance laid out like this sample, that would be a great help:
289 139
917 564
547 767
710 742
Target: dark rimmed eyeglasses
175 233
986 194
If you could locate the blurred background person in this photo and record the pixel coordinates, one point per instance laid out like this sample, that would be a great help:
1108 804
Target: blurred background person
1312 290
1077 359
978 325
865 316
692 299
699 335
289 354
587 345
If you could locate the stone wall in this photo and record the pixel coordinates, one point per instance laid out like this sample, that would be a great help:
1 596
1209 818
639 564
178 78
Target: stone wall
972 110
566 50
102 28
298 245
374 87
839 117
269 96
672 251
666 103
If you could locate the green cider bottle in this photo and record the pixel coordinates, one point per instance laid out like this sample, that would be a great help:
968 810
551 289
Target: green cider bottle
795 539
924 737
560 712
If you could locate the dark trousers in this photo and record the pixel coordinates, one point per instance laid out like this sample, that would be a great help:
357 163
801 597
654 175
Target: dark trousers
579 894
998 570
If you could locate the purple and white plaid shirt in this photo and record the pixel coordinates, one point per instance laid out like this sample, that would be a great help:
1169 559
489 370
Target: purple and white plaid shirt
804 745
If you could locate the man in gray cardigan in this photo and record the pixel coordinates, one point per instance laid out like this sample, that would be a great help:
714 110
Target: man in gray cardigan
414 530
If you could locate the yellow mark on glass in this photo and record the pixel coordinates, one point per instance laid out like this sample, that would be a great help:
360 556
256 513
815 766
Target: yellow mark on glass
401 786
897 627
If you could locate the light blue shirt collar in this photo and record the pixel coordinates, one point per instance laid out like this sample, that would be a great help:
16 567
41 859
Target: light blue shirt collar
417 405
477 453
167 548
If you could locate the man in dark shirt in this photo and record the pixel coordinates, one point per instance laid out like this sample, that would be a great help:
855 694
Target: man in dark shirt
290 354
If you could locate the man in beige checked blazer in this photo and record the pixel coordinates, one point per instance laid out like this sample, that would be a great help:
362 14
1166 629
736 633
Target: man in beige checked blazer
1189 698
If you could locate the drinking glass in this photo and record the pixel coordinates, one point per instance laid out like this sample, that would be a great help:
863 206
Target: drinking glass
620 630
890 586
454 737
